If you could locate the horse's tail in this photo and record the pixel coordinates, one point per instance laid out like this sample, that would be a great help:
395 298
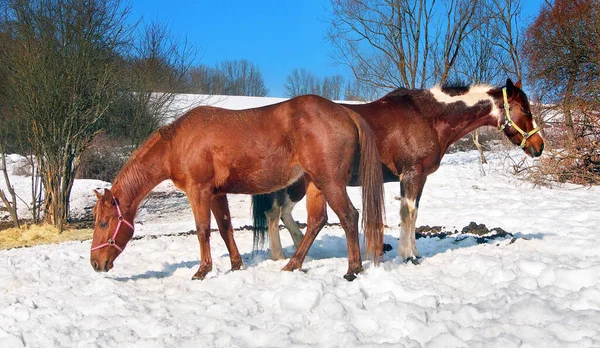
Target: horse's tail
371 180
260 205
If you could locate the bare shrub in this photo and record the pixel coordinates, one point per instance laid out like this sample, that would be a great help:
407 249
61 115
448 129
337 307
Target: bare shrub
489 137
103 159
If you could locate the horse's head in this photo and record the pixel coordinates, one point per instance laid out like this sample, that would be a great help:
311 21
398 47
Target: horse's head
517 122
111 232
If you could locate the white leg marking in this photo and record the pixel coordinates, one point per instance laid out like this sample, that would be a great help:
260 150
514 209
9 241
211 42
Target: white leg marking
288 221
413 237
407 229
274 241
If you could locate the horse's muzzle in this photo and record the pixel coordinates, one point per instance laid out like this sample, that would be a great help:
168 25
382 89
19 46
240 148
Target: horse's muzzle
104 268
534 152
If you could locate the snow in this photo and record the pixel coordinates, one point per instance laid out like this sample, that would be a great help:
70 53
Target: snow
541 290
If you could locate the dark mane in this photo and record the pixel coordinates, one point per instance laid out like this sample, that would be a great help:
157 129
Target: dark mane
397 92
455 88
451 88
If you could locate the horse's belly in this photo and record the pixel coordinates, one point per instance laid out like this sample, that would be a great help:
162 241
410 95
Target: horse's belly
263 180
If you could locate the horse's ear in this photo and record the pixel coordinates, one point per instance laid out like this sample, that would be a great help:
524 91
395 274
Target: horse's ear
510 87
519 85
99 194
108 197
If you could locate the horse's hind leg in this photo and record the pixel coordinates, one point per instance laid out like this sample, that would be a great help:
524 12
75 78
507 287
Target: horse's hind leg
273 215
340 203
316 207
220 209
293 194
288 221
200 200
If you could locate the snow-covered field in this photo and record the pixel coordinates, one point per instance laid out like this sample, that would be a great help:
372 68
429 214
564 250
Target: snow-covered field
543 291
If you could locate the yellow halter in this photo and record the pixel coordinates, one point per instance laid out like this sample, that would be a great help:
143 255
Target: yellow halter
509 122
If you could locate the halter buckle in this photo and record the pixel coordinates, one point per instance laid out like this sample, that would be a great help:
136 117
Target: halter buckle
111 241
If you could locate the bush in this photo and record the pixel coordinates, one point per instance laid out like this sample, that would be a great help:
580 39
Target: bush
103 159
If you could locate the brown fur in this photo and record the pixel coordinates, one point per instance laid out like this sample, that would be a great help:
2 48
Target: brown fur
209 152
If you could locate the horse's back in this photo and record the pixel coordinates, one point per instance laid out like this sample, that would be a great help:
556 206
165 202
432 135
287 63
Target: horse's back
260 149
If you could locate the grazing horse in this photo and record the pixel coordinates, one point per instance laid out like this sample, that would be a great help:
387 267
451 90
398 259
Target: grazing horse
209 152
414 129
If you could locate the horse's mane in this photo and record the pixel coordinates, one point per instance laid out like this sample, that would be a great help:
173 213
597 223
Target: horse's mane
453 88
137 172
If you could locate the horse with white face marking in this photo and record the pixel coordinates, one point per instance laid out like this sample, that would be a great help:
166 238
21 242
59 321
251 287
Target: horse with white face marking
414 128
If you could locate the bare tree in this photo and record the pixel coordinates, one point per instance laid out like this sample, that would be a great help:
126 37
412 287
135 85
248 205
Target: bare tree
230 77
63 78
300 82
332 87
9 203
400 43
359 91
505 17
243 78
206 80
562 53
157 68
459 22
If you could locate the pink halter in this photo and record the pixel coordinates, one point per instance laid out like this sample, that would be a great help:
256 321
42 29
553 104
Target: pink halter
112 240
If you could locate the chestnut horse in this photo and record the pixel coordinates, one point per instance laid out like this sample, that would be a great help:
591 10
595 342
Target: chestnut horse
209 152
414 129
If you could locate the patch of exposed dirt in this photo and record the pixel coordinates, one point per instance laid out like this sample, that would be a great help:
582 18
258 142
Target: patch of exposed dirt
480 231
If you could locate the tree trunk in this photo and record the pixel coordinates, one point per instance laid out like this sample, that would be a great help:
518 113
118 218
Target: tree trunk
568 105
10 205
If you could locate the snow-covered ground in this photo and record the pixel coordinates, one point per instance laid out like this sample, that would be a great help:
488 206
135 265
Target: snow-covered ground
543 291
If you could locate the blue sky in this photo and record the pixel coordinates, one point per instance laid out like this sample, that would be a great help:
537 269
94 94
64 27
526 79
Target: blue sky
278 36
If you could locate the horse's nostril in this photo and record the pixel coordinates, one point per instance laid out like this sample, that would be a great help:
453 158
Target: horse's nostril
106 266
95 265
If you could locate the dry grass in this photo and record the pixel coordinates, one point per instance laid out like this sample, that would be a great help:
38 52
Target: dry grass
31 235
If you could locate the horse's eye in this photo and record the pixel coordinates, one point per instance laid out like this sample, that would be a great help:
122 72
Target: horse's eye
103 224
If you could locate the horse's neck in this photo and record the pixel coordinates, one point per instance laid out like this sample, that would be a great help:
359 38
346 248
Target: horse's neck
143 171
472 119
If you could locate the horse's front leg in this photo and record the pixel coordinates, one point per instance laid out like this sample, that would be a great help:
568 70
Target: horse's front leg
220 210
411 187
200 200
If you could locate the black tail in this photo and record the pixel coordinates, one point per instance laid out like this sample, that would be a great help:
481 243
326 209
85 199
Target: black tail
260 205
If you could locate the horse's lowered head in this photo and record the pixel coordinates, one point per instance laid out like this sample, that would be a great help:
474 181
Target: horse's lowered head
112 232
516 120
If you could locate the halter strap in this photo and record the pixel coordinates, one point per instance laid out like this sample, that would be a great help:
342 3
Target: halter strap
112 240
510 123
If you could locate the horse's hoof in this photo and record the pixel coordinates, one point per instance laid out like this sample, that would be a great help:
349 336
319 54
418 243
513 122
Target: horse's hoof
237 266
201 273
350 277
290 267
198 277
414 260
